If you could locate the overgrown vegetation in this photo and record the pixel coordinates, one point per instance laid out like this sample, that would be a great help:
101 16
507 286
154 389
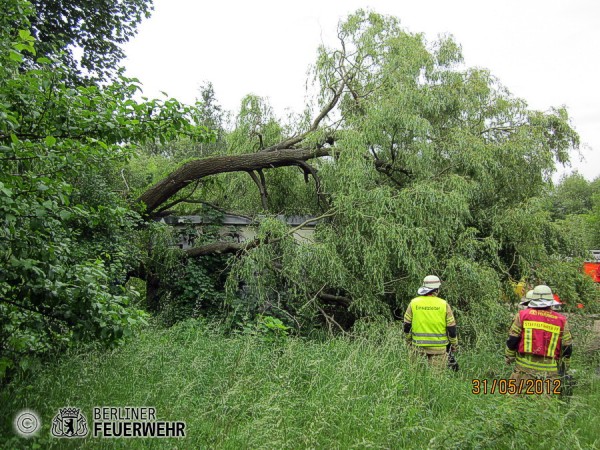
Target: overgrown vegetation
248 391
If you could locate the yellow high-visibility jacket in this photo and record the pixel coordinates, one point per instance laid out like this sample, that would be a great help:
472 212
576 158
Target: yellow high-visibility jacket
429 317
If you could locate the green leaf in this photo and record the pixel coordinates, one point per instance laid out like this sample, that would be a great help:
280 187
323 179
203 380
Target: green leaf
15 56
25 35
50 141
6 191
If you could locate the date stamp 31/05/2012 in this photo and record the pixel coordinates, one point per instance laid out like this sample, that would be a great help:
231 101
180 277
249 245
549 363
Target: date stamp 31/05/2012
516 387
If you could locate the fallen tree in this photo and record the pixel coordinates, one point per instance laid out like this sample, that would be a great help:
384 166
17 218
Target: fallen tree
425 166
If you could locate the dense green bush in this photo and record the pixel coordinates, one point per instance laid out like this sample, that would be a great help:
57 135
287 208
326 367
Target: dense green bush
67 236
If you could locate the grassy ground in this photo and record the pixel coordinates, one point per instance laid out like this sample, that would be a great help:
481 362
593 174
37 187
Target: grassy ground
243 392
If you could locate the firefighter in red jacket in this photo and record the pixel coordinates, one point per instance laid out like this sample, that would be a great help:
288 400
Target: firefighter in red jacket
538 339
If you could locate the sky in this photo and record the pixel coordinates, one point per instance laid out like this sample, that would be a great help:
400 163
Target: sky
544 51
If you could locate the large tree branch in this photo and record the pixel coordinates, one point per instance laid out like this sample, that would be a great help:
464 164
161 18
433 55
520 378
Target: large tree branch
389 169
200 168
337 93
326 110
285 153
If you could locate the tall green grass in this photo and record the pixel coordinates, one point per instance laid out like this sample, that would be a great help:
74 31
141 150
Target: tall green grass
243 392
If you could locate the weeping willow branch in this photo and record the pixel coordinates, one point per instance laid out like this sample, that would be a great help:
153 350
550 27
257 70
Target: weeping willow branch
329 213
308 169
261 188
285 153
388 169
392 145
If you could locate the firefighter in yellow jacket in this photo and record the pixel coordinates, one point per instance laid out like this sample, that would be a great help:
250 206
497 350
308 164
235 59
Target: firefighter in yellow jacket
538 339
429 324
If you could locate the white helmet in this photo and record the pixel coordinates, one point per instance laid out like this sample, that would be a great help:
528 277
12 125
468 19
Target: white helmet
542 297
430 284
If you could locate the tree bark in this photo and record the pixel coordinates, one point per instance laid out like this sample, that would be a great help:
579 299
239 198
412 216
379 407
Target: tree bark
198 169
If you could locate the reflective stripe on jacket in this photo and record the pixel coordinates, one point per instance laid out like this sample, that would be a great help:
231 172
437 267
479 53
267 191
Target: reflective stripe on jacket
429 321
536 363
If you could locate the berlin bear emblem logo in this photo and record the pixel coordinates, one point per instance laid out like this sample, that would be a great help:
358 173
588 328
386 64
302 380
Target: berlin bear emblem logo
69 423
